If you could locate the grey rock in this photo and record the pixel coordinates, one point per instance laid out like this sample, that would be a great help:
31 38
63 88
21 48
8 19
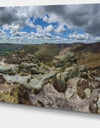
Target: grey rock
34 71
82 68
59 83
35 84
98 104
70 72
87 92
70 92
28 65
97 79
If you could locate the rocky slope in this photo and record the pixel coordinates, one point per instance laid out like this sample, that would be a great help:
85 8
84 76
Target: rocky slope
62 83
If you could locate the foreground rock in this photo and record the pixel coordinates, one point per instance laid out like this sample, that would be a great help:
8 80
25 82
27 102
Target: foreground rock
6 69
50 98
14 93
59 83
70 92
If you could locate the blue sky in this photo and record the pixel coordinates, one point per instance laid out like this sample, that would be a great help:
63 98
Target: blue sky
52 24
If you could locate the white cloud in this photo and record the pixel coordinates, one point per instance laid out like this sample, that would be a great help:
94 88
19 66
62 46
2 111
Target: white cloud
85 17
49 28
60 29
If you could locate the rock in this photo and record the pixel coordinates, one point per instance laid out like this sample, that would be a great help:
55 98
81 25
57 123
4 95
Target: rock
6 69
61 60
48 76
58 63
70 72
28 65
97 79
16 94
17 79
83 84
98 103
59 83
43 69
35 84
70 57
70 92
93 106
34 71
2 79
82 68
94 84
84 75
50 98
80 92
87 93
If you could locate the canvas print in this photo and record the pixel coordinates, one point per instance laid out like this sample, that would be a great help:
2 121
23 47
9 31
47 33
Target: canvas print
50 56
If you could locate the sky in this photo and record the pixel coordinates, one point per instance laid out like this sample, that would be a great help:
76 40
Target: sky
50 24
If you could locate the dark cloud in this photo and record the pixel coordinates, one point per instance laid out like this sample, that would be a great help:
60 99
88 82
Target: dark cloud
7 15
86 17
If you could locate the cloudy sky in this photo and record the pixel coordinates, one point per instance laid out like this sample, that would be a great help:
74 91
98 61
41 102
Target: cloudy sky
52 24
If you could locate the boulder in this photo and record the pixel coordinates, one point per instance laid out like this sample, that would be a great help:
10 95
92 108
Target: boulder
84 75
94 84
43 69
81 92
6 70
93 106
59 83
35 84
70 72
82 68
2 79
61 60
70 57
47 77
17 94
98 104
58 63
82 84
70 92
97 79
28 65
87 93
34 71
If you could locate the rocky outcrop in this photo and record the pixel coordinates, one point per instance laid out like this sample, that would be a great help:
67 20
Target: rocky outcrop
64 60
83 72
59 83
50 98
71 72
14 93
5 69
70 92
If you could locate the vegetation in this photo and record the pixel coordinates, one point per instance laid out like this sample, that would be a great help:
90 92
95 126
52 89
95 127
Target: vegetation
6 49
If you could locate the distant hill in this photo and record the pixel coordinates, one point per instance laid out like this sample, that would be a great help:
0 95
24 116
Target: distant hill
43 52
6 49
93 47
87 54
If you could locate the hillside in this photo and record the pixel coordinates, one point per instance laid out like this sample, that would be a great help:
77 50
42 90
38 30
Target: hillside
43 52
88 54
6 49
52 76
